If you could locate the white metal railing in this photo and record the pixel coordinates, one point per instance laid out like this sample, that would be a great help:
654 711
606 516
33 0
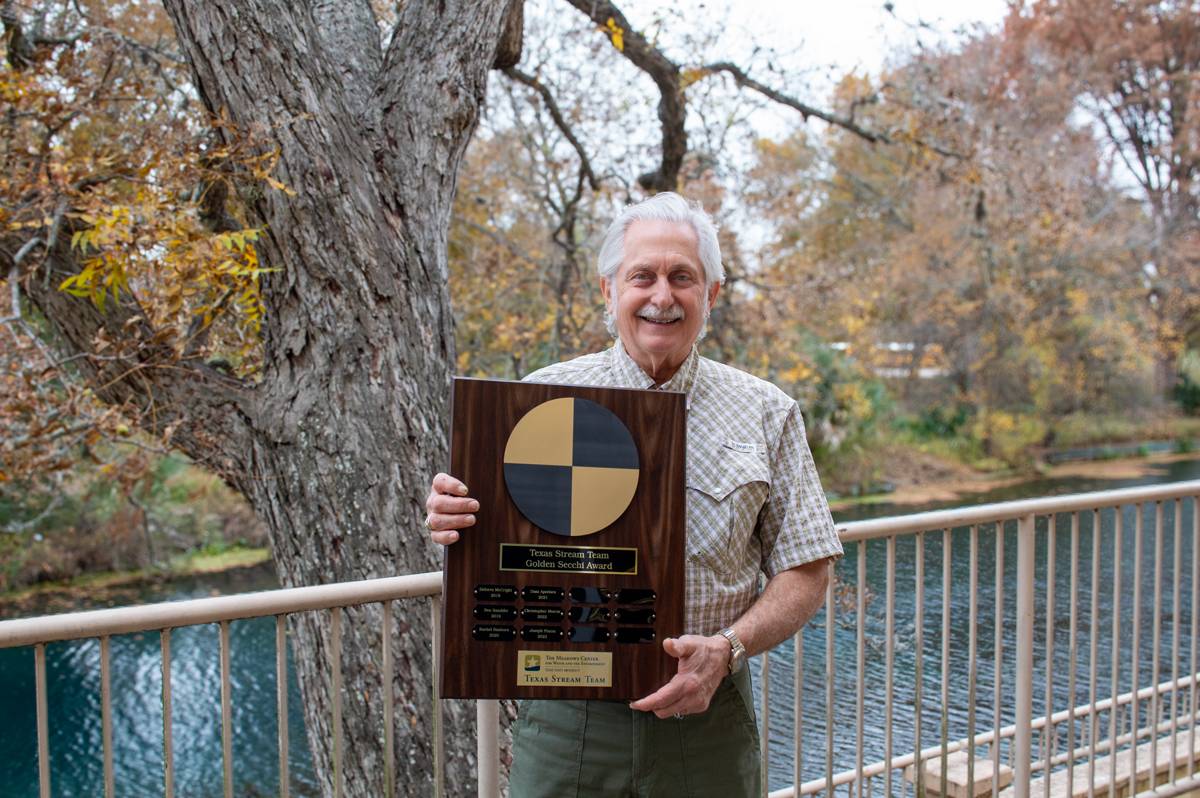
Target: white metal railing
1143 717
222 610
1154 711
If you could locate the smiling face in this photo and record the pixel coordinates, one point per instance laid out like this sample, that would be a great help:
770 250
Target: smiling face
658 296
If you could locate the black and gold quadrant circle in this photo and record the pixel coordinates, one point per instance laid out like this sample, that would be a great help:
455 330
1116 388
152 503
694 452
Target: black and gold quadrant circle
571 466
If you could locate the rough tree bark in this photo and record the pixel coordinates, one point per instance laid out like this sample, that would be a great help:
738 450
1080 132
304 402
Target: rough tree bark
335 445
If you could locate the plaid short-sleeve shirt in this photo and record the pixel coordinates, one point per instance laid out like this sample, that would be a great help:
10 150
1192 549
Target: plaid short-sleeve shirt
754 501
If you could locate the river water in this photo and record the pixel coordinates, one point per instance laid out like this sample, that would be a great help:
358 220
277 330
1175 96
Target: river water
874 678
73 699
73 668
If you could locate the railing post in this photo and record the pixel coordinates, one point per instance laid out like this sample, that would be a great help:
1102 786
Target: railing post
764 751
487 746
439 762
43 724
1023 741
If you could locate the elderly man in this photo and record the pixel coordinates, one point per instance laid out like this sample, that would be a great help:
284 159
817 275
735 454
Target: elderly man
754 506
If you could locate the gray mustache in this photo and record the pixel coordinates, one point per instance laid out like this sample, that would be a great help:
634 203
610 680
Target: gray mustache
653 314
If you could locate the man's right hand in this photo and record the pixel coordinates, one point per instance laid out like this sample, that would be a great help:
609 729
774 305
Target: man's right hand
449 508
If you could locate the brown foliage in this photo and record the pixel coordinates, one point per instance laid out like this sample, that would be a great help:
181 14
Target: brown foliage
1135 67
1014 269
104 150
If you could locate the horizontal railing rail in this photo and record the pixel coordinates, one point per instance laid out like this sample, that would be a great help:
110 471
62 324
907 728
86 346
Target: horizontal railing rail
1142 713
152 617
956 517
190 612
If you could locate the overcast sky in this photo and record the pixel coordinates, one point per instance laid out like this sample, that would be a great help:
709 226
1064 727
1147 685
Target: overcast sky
848 34
857 34
820 39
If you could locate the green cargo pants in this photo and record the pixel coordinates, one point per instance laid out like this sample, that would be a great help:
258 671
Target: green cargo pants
572 749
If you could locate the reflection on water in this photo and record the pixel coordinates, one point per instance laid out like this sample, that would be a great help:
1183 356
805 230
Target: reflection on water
74 680
874 679
73 701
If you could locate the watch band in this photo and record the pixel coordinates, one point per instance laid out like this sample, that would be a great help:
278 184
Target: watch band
737 652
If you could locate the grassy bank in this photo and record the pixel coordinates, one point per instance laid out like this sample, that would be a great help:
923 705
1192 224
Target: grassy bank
908 452
93 523
204 561
960 490
1080 430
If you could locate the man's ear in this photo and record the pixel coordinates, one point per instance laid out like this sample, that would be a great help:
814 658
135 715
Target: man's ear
713 290
605 290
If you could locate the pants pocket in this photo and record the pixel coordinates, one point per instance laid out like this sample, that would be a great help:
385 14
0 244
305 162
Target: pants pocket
547 749
721 748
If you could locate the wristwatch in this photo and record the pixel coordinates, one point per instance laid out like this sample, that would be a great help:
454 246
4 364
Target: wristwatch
737 652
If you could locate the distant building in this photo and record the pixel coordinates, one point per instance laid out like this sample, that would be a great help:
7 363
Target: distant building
894 360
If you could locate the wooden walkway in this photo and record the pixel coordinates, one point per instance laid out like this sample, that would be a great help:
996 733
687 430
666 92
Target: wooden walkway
1078 787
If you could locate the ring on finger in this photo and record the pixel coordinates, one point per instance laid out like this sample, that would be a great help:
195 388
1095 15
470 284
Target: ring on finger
429 522
678 716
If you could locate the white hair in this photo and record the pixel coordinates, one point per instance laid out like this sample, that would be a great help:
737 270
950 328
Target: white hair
665 207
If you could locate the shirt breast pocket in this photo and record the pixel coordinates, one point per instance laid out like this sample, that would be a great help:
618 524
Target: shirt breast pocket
726 490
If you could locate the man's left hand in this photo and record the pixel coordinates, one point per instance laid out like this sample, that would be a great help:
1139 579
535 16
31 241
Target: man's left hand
703 662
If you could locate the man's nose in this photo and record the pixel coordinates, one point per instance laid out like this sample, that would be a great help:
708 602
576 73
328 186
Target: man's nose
662 293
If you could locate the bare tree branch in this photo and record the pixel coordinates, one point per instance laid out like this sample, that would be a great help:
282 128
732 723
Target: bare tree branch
672 110
503 241
20 47
22 44
17 527
665 73
747 82
847 123
14 274
559 120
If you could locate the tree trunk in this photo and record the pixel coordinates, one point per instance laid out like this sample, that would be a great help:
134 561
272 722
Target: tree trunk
348 422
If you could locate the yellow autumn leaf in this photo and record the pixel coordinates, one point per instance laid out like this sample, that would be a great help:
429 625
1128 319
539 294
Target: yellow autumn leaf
616 33
690 76
798 373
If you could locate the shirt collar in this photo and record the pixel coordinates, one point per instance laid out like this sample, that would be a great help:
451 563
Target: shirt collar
632 375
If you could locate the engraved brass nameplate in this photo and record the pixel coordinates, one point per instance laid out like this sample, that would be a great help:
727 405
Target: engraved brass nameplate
564 669
568 559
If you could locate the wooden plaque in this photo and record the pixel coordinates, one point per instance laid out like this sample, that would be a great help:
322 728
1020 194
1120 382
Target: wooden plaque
573 573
